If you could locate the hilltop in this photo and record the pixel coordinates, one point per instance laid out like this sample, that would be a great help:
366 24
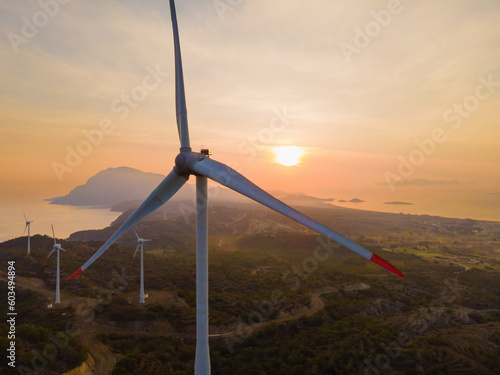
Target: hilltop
110 187
124 188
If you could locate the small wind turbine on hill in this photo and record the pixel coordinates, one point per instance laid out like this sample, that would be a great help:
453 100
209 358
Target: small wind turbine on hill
56 249
28 226
200 165
140 245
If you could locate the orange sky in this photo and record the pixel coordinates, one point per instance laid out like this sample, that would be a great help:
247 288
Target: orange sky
373 91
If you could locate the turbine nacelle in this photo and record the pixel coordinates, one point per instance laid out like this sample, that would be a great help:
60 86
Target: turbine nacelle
58 247
142 240
28 222
55 248
185 160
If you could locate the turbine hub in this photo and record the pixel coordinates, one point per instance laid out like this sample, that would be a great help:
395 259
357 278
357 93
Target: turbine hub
184 160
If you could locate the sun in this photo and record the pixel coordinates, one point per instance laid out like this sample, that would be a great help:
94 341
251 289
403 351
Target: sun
288 155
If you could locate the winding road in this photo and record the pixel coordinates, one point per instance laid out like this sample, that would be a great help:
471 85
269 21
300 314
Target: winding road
102 361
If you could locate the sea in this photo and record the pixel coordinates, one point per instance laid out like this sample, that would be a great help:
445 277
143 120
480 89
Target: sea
66 219
70 219
462 206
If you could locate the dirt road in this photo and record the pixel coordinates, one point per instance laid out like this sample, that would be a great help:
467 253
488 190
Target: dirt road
101 359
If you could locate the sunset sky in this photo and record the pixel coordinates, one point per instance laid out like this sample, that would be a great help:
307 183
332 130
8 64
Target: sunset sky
372 91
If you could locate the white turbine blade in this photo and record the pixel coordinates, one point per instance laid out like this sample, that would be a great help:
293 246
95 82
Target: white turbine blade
167 188
53 250
137 248
180 96
53 233
233 180
135 233
25 217
26 227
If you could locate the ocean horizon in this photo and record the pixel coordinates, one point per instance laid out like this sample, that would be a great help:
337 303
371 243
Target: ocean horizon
66 219
70 219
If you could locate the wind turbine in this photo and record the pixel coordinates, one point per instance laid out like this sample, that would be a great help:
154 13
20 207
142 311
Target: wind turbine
202 167
28 226
140 244
56 248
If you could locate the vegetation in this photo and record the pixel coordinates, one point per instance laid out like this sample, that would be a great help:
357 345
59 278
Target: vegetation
45 339
443 318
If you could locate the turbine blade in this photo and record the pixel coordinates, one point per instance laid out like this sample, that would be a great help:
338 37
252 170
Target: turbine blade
233 180
25 217
135 233
53 249
26 227
136 249
167 188
53 233
180 96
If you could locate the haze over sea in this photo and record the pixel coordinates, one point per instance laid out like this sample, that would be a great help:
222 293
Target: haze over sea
70 219
66 219
451 204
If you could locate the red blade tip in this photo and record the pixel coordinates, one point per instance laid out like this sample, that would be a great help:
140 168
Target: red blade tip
75 274
382 262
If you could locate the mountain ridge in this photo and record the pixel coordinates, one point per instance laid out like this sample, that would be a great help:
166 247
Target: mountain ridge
123 188
111 186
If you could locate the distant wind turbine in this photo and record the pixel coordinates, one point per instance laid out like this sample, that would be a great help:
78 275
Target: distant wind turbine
202 166
56 248
140 245
28 226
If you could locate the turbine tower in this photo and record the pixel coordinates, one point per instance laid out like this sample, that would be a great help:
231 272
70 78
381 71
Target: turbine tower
202 167
56 248
28 226
140 245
